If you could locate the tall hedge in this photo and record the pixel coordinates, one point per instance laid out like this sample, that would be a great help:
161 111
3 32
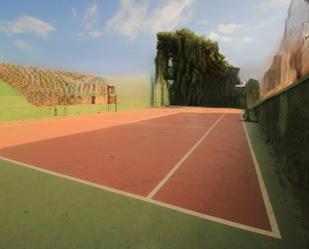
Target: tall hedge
199 76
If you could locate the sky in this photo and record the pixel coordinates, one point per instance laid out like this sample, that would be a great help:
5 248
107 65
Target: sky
118 37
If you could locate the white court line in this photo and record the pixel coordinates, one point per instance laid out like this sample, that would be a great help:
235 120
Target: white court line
269 209
171 125
183 159
145 199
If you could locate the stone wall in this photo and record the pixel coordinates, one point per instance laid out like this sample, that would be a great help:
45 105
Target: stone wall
284 118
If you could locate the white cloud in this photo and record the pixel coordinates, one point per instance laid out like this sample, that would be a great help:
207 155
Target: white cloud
224 34
169 15
27 25
247 39
202 23
129 19
227 39
91 16
132 17
270 4
92 9
80 34
21 44
213 36
228 28
74 13
95 34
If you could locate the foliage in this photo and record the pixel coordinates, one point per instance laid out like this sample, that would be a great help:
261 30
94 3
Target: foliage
132 93
200 74
252 92
47 87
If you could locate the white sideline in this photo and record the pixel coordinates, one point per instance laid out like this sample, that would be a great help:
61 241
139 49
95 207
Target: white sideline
155 202
272 219
268 206
183 159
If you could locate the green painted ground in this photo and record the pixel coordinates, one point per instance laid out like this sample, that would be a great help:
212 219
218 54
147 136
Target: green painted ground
41 211
133 93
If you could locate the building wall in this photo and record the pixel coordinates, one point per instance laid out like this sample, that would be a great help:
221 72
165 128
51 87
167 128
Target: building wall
292 60
284 118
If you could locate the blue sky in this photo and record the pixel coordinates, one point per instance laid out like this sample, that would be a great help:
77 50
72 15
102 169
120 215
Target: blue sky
117 37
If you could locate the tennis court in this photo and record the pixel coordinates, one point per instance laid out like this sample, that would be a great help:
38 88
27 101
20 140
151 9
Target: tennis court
196 161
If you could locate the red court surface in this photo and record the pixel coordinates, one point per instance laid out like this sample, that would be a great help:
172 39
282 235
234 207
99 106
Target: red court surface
220 173
197 160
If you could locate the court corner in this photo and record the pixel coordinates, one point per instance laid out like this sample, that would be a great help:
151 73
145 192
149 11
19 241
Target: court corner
284 203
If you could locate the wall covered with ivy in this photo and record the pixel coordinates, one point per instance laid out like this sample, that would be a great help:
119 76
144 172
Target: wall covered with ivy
191 71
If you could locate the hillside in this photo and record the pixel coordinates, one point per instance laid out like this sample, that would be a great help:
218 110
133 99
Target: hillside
48 87
32 92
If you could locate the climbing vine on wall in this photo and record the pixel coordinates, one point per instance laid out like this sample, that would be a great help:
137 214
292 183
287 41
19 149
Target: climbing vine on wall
190 70
252 92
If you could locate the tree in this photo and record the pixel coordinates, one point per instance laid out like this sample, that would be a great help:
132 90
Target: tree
199 73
